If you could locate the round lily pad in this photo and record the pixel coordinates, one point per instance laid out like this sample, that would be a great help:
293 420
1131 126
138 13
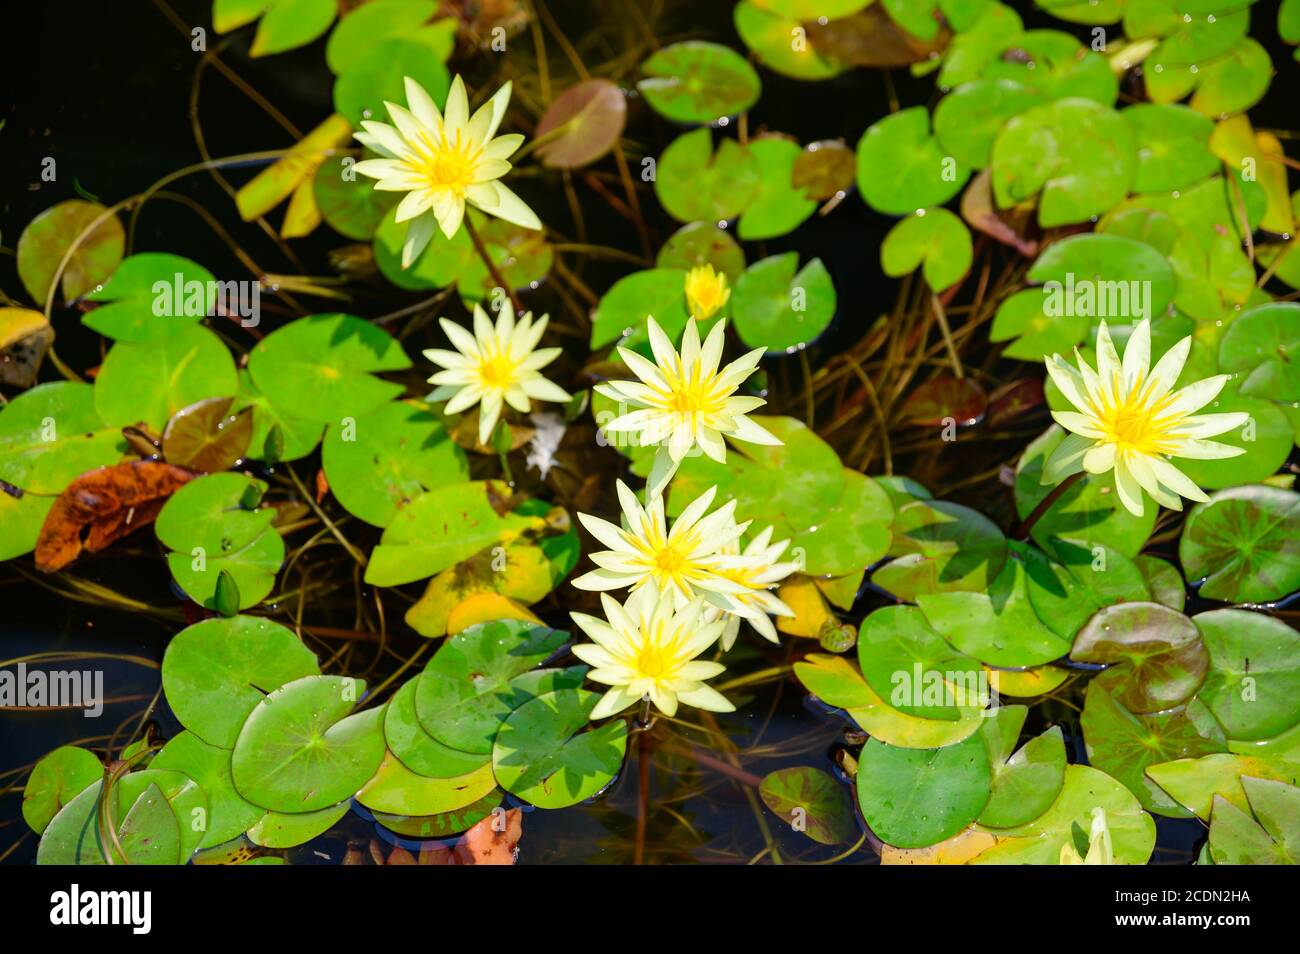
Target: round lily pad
781 306
778 206
370 24
1163 580
1172 146
477 677
300 750
214 673
290 829
207 436
581 125
655 292
1157 657
229 814
934 238
1124 745
378 75
1261 346
968 119
1106 273
912 798
1087 578
701 243
416 748
698 82
150 295
349 204
321 368
941 546
768 33
1253 683
907 663
902 167
213 525
47 238
1025 781
825 169
57 779
382 460
997 626
542 756
1244 544
1266 438
396 790
694 183
149 381
811 801
443 824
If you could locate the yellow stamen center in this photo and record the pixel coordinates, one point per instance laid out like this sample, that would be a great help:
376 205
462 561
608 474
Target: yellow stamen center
669 560
450 166
653 662
497 372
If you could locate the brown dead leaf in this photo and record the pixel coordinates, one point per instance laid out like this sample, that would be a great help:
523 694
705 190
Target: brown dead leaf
493 840
400 856
870 38
102 506
978 211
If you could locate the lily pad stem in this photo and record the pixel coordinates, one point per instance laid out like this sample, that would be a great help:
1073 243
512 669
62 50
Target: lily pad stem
1045 504
491 265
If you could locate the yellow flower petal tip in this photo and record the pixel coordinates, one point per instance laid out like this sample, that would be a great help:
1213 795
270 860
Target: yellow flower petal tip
1129 419
706 291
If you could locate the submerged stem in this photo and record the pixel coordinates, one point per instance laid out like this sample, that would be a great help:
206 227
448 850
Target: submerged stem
1045 504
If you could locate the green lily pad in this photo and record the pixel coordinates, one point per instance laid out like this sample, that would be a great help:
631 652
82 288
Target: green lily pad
941 546
1081 157
781 306
696 184
541 755
1266 438
698 82
810 801
1039 842
998 626
275 434
984 31
1066 594
1089 512
1023 317
835 681
417 749
386 458
366 26
1057 65
46 240
57 779
150 295
479 676
1194 783
1261 346
442 527
284 24
778 206
215 673
321 368
767 31
1231 83
378 74
1272 837
934 237
912 798
229 814
49 435
396 790
582 124
151 380
1102 271
1025 781
701 243
909 664
1253 684
443 824
300 750
443 262
1163 581
150 833
1157 658
967 120
1173 146
654 292
211 527
349 204
1244 544
1123 744
849 536
902 167
290 829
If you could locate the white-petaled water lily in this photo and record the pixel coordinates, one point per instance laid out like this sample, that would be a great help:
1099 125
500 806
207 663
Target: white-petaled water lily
498 364
647 648
1130 420
444 161
757 568
1100 851
706 291
645 554
684 400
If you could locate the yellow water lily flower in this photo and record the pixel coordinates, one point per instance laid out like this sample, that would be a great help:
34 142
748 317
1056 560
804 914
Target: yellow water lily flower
497 364
643 553
1100 851
706 291
758 568
684 401
1130 420
442 161
647 648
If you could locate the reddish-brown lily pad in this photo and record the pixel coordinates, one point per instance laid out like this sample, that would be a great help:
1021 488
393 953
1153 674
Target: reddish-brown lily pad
581 125
1156 655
